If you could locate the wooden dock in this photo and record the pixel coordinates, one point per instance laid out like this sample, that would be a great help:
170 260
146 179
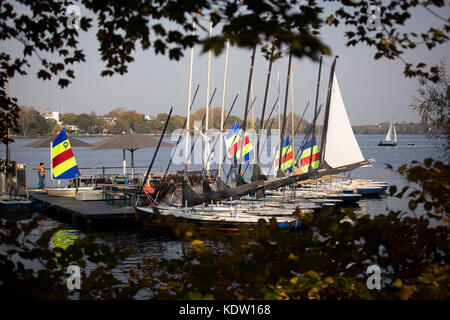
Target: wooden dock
84 211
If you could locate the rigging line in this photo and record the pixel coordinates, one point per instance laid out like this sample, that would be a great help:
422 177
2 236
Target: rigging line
300 122
270 127
250 79
234 140
301 118
226 118
154 155
285 107
266 92
179 139
272 119
308 132
201 125
284 118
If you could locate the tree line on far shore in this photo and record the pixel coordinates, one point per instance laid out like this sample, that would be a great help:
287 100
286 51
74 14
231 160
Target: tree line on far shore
32 123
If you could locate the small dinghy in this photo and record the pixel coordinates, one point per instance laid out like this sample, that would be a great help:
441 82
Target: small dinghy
15 204
389 140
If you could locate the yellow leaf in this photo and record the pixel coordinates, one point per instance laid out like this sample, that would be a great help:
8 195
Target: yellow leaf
313 294
398 283
293 280
292 256
188 234
196 243
385 42
329 280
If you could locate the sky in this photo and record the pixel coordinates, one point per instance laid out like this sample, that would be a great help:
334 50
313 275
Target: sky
374 91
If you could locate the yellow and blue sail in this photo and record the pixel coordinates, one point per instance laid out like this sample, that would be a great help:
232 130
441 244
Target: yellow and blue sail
287 156
64 165
306 158
234 141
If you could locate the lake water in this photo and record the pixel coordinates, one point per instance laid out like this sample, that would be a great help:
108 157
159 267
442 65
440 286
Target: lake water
395 156
150 245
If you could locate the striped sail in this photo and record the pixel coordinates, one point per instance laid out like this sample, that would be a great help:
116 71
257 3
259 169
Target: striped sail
64 165
233 141
306 158
287 156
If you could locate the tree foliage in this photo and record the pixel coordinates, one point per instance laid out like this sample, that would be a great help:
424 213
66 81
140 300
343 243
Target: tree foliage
433 105
166 27
327 259
32 123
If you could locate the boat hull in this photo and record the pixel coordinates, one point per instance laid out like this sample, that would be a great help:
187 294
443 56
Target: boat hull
15 205
387 144
220 221
367 191
89 195
66 192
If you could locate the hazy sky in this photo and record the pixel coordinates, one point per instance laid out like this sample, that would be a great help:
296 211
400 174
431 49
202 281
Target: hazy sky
373 90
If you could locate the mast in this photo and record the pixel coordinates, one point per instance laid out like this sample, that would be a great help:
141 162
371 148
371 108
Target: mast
206 153
223 107
256 168
266 92
315 111
279 109
244 125
292 109
8 151
253 120
285 108
188 117
327 113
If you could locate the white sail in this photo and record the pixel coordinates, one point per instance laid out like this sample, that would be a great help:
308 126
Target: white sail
389 134
395 135
341 145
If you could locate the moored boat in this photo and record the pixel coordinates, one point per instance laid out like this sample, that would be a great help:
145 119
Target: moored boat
207 218
15 204
67 192
391 138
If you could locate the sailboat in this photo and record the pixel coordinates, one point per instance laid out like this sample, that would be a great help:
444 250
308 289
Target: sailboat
389 140
64 166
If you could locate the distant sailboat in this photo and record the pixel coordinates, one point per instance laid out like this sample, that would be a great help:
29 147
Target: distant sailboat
391 138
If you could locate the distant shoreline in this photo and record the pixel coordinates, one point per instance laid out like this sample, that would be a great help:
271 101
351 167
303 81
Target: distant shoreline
157 135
